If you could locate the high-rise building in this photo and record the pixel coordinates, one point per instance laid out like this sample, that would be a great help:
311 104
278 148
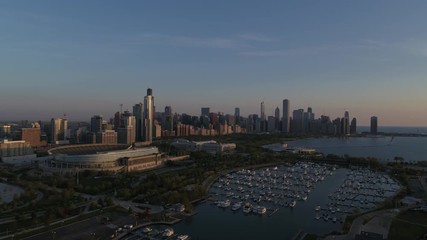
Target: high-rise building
308 119
59 130
117 120
126 131
237 115
205 111
231 120
106 137
271 124
237 112
214 119
138 112
277 118
263 117
168 110
285 120
148 116
346 124
263 120
96 123
298 121
33 136
374 125
353 126
168 119
5 131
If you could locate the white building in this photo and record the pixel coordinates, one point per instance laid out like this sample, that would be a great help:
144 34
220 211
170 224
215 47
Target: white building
16 152
210 146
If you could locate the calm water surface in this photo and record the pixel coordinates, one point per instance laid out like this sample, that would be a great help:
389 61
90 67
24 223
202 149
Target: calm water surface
384 148
212 222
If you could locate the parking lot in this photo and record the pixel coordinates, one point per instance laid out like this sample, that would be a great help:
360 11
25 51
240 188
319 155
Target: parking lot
93 228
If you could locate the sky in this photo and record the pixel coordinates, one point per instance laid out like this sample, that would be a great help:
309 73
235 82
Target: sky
82 58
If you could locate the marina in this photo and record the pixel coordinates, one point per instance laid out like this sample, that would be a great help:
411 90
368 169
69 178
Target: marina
314 197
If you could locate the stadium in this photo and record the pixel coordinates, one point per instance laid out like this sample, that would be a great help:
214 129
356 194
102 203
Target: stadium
102 157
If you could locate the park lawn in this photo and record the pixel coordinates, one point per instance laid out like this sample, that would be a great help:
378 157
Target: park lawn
413 216
403 226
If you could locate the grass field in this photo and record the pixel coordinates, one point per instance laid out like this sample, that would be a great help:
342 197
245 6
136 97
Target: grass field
408 225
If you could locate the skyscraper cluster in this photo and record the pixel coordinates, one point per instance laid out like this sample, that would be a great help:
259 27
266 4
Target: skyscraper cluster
144 124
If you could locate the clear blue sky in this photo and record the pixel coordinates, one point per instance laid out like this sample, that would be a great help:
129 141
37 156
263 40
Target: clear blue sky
87 57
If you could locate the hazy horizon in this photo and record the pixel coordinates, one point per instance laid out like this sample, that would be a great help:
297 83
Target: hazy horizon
85 58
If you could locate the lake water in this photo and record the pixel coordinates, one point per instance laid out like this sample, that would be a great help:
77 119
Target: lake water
213 222
383 148
388 129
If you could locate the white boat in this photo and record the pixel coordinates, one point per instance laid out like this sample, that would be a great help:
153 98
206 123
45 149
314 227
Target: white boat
182 237
168 232
317 208
247 208
224 204
147 229
236 206
292 204
261 210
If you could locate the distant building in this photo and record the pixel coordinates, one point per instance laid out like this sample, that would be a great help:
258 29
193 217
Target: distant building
353 126
271 124
286 117
16 152
208 146
298 121
168 119
126 135
205 111
374 125
148 124
138 112
345 126
126 130
33 136
96 124
59 130
277 118
5 131
106 137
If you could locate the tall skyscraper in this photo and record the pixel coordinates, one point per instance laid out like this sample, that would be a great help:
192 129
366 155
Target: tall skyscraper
168 110
277 118
237 115
149 116
117 120
96 124
205 111
263 117
353 126
346 123
298 121
138 112
126 131
374 125
168 119
59 129
285 120
236 112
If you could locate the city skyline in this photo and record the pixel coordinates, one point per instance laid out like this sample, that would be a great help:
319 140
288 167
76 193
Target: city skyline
87 58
